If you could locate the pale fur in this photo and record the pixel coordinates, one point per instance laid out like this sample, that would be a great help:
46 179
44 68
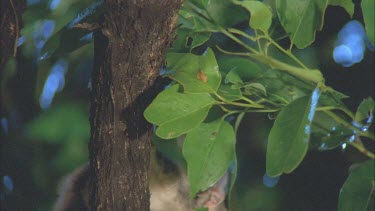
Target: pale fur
169 190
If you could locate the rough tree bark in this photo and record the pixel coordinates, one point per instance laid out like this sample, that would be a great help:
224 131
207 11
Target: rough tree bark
10 28
129 51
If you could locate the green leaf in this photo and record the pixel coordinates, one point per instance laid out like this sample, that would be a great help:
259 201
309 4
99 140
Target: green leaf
233 78
208 150
257 87
244 68
233 178
225 13
64 123
180 45
301 19
331 97
199 39
195 17
369 18
358 189
169 148
198 74
282 87
176 113
75 34
212 15
348 5
200 3
187 40
364 110
327 134
338 136
261 15
289 137
230 94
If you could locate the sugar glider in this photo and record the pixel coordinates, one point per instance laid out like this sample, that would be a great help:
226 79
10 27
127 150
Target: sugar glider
168 183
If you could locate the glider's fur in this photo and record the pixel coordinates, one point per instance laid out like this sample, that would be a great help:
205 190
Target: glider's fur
168 185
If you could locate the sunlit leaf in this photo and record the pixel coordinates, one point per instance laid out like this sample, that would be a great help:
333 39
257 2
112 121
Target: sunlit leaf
198 74
369 18
176 113
358 189
208 150
261 15
75 34
289 137
301 19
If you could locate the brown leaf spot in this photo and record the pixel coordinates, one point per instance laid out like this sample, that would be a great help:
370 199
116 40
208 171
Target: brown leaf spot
202 76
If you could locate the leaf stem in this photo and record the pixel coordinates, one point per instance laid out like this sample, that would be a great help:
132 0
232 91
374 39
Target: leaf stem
269 101
367 134
304 73
280 98
239 32
360 147
287 52
345 110
238 121
237 103
228 111
197 10
340 120
251 102
343 122
258 42
263 111
234 38
267 37
312 76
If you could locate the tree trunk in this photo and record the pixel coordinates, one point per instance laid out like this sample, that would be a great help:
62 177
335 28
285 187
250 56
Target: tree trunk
129 51
10 28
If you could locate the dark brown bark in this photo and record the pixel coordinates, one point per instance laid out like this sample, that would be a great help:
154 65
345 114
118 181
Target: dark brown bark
10 28
129 51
